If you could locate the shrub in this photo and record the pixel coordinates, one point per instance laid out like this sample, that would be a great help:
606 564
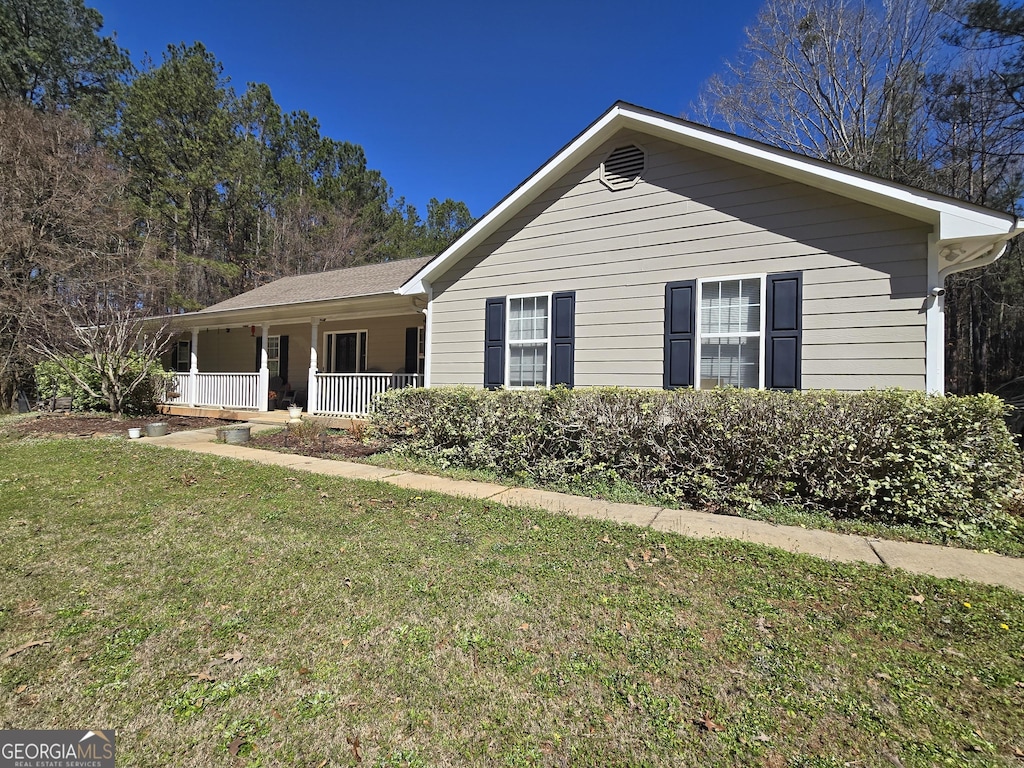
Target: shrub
52 380
886 455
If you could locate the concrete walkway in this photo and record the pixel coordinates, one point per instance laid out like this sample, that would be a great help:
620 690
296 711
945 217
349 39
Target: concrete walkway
946 562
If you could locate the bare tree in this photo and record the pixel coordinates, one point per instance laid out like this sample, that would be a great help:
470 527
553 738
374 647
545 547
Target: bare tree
70 284
842 80
56 193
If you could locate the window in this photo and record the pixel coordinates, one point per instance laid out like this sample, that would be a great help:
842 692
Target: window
421 349
183 356
274 355
528 341
741 331
731 322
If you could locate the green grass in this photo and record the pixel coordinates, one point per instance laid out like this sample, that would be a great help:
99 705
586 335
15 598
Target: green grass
1008 541
203 606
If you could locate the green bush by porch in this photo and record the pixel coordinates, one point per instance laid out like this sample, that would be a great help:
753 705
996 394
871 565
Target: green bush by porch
889 455
53 380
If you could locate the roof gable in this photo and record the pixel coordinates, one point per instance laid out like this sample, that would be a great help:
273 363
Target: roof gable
966 235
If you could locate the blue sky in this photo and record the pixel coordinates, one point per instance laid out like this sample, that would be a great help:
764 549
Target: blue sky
450 99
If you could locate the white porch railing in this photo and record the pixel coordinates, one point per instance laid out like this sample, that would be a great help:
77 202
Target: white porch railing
230 390
350 394
176 392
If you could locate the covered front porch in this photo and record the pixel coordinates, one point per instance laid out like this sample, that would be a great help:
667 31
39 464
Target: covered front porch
332 363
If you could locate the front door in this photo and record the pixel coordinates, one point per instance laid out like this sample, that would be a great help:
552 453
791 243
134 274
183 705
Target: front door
346 352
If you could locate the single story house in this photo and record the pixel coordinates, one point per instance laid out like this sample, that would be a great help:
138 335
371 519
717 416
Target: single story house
648 252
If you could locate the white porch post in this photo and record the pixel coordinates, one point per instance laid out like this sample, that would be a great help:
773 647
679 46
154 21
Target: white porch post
193 369
311 396
264 391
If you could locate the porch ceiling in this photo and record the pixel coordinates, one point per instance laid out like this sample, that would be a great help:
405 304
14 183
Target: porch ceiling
381 305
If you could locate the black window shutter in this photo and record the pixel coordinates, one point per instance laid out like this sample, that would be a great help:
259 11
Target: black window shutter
494 344
680 327
174 355
563 338
412 349
783 331
259 350
283 359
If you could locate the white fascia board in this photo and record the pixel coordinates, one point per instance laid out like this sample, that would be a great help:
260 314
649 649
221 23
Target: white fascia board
950 219
377 305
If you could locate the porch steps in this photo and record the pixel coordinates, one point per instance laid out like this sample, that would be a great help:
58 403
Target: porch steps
278 418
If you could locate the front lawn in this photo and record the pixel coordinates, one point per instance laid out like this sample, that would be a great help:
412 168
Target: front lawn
220 613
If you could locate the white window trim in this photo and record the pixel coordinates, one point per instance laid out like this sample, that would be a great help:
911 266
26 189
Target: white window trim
508 339
763 277
179 361
421 350
278 358
329 358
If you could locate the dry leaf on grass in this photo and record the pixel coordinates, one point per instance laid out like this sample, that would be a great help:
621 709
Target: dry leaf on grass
233 656
917 599
203 676
354 743
235 745
708 724
630 564
23 647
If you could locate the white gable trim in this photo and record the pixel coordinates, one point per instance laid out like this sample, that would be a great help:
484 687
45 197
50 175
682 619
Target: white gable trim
965 235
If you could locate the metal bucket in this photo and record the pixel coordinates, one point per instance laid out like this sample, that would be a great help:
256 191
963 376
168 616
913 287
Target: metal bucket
156 430
236 435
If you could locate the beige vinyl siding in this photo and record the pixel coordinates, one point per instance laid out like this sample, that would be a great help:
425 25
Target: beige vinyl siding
695 216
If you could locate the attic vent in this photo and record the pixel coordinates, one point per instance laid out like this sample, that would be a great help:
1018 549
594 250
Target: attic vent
623 167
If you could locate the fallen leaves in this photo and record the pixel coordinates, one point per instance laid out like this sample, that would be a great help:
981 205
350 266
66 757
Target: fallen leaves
919 599
235 745
708 724
23 647
354 743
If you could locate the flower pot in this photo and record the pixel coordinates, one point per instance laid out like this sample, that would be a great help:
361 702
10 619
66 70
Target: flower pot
156 430
294 414
134 433
235 435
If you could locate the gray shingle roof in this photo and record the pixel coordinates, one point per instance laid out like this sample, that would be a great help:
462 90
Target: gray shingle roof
367 280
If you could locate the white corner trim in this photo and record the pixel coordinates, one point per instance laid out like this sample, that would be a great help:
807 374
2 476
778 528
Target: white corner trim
428 356
935 326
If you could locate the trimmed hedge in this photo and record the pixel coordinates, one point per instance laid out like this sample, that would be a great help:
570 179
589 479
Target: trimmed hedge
883 455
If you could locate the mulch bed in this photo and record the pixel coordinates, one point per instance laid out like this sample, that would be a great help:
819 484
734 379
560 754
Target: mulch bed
324 444
328 444
98 424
